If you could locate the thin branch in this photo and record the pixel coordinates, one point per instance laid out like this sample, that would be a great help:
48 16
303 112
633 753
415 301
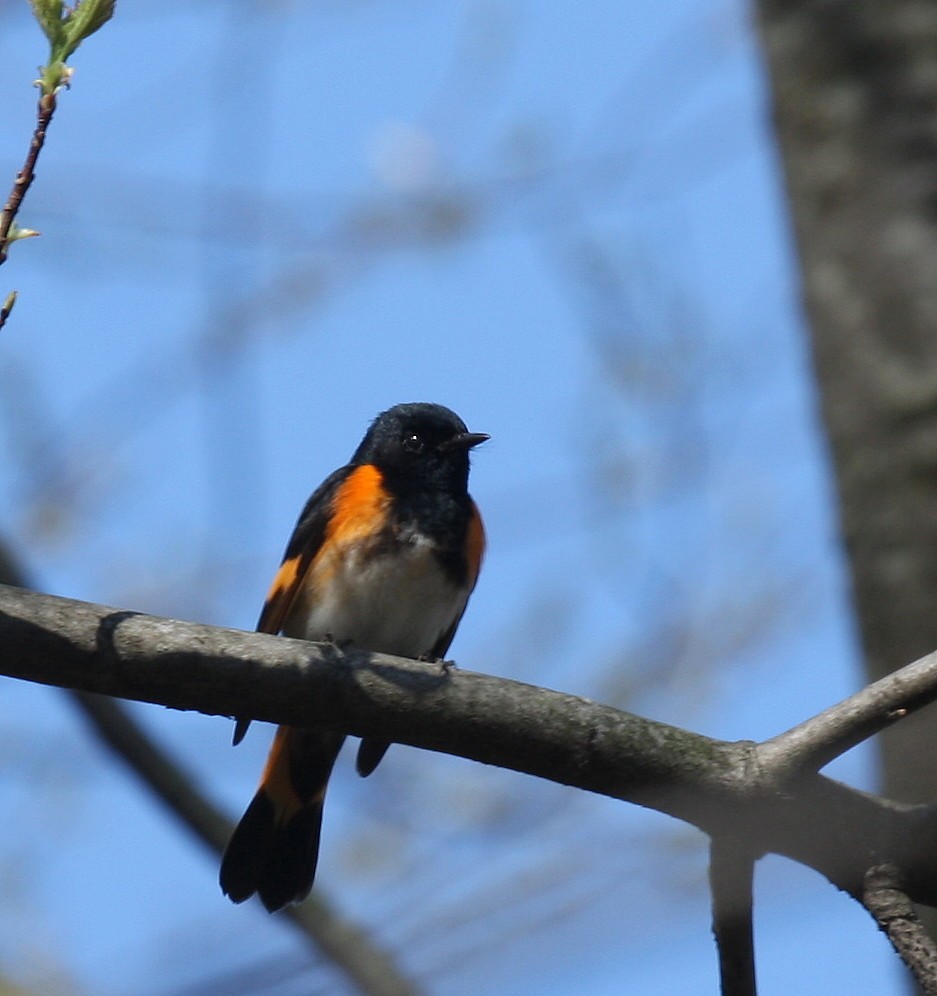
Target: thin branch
885 898
731 871
811 745
24 178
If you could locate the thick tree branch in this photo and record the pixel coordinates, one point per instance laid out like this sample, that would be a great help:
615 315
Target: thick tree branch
718 786
228 672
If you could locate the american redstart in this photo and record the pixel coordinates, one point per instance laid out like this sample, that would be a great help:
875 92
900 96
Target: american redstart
384 557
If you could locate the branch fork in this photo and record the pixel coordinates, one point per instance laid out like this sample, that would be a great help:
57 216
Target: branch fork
750 798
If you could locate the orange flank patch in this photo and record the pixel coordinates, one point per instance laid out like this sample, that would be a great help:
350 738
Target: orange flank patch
281 595
276 782
474 546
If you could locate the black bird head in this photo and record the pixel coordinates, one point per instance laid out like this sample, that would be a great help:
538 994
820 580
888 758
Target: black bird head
423 442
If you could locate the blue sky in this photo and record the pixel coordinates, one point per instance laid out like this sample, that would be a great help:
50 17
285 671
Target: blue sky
265 222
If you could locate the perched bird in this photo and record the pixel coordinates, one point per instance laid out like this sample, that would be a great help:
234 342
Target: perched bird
384 556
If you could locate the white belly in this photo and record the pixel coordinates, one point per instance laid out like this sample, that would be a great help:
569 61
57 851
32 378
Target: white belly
399 602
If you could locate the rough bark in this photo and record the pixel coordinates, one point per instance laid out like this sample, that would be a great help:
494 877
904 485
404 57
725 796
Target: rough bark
767 795
897 918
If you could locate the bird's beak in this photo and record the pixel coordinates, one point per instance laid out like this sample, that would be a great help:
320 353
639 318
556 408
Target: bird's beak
466 440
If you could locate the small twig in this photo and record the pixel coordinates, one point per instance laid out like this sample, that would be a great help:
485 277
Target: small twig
731 870
25 177
811 745
884 897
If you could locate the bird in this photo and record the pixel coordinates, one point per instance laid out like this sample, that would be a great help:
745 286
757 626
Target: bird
384 557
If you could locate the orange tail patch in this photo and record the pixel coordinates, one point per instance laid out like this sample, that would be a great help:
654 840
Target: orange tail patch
275 847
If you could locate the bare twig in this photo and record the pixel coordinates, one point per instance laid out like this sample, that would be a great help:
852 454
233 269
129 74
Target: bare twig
885 898
25 177
817 741
731 869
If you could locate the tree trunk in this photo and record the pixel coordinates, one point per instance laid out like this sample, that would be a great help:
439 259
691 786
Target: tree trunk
855 102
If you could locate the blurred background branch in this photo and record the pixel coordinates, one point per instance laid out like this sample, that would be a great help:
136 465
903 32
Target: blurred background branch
371 970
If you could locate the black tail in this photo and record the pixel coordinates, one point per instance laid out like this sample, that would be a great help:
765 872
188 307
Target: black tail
276 862
275 847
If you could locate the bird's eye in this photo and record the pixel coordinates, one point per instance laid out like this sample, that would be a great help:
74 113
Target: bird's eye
413 443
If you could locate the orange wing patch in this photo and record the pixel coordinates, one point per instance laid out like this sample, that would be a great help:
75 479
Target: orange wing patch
474 546
281 596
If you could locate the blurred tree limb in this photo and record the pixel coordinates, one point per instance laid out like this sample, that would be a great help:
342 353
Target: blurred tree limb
767 795
349 949
371 970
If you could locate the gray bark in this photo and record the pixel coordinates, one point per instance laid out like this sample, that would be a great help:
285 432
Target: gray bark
767 795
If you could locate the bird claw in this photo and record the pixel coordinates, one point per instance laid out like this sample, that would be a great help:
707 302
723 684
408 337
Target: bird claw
444 666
